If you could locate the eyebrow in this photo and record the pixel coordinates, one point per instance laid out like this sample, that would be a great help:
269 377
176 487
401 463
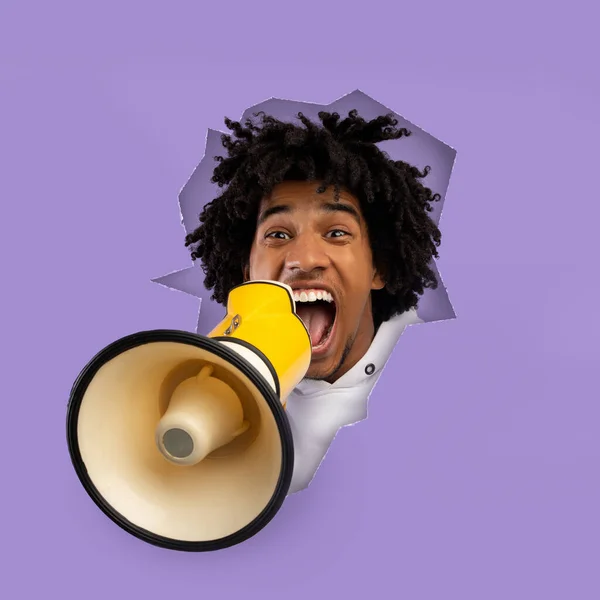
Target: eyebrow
333 207
273 210
328 207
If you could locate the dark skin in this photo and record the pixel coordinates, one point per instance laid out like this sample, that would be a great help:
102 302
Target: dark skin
303 237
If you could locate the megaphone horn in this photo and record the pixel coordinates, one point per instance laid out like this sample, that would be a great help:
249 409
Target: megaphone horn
182 439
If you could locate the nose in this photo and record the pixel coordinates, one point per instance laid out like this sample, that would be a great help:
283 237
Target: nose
307 253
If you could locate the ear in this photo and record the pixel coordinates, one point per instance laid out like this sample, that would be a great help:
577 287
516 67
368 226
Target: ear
378 282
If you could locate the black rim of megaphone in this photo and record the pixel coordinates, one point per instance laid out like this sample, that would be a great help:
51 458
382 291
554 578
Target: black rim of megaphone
164 335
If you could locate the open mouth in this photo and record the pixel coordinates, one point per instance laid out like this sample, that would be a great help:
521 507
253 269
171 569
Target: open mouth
317 310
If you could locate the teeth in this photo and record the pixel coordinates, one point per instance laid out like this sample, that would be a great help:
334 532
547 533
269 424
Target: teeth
312 296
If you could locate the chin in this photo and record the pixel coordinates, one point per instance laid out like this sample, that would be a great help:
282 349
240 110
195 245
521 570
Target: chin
321 370
317 374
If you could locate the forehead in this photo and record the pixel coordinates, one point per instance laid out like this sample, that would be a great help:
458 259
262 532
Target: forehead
303 194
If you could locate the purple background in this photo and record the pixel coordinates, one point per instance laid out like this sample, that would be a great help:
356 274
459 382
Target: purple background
476 475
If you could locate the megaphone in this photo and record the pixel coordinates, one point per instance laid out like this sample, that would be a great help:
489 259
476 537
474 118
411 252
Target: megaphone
182 439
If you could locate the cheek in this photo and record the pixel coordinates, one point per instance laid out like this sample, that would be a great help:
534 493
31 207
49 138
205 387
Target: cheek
358 270
262 265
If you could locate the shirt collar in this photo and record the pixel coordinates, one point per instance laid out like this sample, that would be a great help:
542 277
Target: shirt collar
369 367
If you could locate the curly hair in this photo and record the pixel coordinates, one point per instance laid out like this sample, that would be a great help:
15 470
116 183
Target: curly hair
337 152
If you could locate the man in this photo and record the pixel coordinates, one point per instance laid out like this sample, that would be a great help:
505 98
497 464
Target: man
320 207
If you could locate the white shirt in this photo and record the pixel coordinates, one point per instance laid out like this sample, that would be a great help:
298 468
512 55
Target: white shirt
317 410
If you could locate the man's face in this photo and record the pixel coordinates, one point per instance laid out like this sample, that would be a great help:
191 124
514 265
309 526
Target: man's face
320 248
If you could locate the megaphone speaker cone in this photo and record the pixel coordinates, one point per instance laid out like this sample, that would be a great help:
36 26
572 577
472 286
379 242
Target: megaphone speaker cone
181 439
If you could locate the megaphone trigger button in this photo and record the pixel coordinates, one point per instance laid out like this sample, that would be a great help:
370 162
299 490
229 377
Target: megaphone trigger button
370 369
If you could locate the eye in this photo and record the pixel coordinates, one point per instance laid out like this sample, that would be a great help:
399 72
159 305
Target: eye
337 233
278 235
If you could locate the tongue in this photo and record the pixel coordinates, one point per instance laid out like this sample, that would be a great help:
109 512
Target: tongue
317 320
